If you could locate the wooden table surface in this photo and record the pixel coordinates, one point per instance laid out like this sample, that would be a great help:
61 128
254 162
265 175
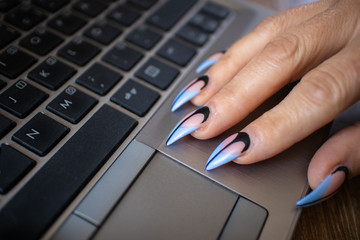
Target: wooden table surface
339 216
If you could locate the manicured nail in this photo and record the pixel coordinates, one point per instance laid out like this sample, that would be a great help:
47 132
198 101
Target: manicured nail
327 188
189 92
228 150
209 62
188 124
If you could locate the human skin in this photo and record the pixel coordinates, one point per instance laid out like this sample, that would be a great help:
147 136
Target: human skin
318 43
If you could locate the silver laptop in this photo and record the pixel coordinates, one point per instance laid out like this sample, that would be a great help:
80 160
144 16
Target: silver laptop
86 89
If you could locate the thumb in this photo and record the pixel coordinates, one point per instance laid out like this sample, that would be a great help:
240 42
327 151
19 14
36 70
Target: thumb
335 162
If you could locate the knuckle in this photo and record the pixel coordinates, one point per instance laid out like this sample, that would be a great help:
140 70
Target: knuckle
323 88
287 48
350 67
228 61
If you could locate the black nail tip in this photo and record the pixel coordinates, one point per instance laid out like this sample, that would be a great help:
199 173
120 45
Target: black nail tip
205 111
203 78
243 137
344 169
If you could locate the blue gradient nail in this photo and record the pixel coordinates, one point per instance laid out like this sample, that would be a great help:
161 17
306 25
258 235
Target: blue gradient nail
189 92
326 189
228 150
209 62
188 124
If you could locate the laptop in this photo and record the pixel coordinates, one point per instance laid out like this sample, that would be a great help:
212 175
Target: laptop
86 89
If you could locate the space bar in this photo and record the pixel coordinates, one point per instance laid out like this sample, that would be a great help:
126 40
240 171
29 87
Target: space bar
48 193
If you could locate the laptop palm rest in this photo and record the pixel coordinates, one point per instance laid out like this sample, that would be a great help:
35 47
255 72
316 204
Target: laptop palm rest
170 202
275 184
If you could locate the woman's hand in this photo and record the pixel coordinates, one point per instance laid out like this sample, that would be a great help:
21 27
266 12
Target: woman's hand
318 43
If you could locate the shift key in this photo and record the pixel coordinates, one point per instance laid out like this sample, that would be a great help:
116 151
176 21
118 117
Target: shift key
37 205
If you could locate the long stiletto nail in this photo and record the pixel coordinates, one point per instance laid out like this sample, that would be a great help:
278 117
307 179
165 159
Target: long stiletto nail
188 124
189 92
209 62
228 150
326 189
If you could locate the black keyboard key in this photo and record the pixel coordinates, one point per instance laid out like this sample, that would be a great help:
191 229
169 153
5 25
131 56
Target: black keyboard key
37 205
135 97
157 73
168 15
122 57
177 52
21 98
193 35
72 104
205 22
79 51
215 10
144 37
99 79
10 59
124 15
102 32
6 5
91 8
7 34
51 73
67 23
40 134
41 41
24 17
51 5
143 4
2 84
13 166
5 126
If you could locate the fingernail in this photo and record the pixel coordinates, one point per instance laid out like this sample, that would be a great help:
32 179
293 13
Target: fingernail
209 62
188 124
189 92
228 150
326 189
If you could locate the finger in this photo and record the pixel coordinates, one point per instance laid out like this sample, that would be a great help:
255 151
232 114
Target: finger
284 59
342 149
337 160
317 99
239 54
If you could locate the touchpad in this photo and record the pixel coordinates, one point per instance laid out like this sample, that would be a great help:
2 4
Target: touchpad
169 201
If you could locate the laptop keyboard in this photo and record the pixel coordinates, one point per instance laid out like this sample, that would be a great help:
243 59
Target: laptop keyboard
50 84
